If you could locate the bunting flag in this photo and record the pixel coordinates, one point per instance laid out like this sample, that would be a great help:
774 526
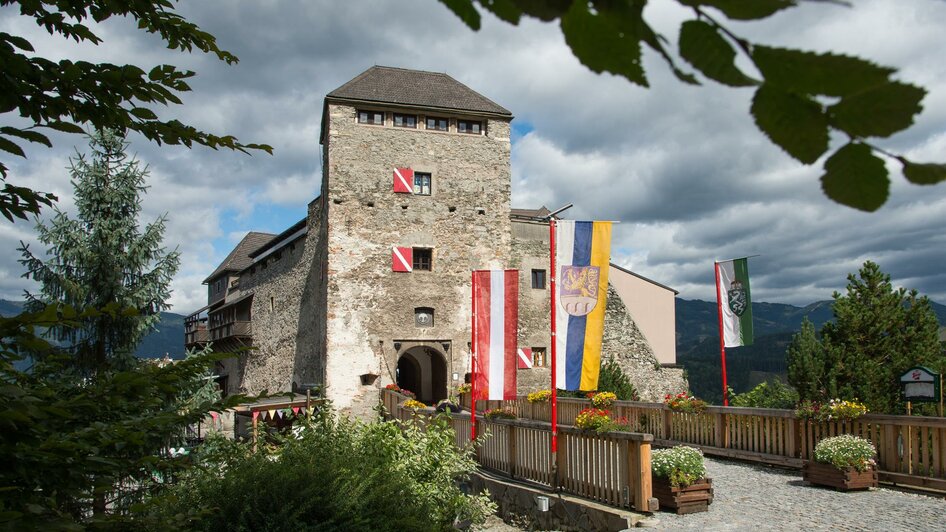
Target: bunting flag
496 304
295 410
582 258
735 302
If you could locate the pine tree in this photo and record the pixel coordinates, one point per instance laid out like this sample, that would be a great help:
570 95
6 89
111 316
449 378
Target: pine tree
101 259
878 334
806 363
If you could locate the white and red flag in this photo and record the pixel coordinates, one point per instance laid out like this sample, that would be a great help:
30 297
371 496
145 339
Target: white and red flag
496 319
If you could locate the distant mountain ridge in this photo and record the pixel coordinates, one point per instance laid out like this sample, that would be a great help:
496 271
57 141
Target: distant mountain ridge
167 339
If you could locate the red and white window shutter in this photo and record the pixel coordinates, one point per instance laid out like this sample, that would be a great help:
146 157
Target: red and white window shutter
404 180
524 358
402 259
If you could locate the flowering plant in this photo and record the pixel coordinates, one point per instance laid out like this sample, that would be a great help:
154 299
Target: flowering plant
541 396
464 388
846 451
413 404
593 418
684 402
835 409
500 413
602 399
681 465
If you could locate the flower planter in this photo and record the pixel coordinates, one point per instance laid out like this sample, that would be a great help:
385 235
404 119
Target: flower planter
694 498
839 479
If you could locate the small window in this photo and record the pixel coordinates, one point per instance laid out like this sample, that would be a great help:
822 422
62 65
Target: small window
538 279
469 126
437 124
538 357
421 184
422 259
405 120
424 317
371 117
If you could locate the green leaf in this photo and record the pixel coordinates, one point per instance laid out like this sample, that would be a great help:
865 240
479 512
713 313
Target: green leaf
65 127
606 42
144 113
12 147
797 124
923 173
504 9
704 48
879 111
17 41
744 9
811 73
855 177
31 136
465 10
545 10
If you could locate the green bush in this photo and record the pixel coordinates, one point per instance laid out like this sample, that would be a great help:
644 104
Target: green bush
769 394
681 465
846 451
334 474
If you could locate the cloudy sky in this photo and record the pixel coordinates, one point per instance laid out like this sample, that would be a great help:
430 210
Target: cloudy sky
682 168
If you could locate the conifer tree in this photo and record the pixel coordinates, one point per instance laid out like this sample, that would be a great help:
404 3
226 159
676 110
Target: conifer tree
102 259
806 363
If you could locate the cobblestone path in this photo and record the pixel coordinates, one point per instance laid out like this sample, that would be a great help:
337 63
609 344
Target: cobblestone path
751 497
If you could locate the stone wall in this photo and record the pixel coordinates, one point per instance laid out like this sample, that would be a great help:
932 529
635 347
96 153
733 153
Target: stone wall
465 221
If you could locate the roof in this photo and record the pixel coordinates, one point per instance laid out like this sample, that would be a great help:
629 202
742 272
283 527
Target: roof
239 258
285 237
541 212
380 84
639 276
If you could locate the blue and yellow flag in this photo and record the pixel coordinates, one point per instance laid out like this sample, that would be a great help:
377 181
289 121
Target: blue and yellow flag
582 258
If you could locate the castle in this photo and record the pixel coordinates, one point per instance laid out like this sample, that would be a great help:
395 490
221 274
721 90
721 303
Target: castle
373 285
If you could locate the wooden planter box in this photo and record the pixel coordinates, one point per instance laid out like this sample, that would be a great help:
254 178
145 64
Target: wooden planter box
694 498
839 479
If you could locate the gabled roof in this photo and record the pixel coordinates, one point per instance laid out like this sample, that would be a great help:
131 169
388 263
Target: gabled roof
539 213
239 258
415 88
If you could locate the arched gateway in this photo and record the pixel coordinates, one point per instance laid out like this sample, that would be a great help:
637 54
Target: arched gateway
423 370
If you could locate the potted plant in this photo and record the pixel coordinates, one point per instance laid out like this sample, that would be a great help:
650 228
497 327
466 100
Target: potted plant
684 402
593 419
541 396
679 479
602 399
540 407
504 412
845 463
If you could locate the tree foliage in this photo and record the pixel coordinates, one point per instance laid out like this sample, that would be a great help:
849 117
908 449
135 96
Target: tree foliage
806 363
613 379
65 95
769 394
800 97
101 258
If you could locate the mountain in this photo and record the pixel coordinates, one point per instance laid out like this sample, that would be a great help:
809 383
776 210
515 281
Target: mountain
167 338
774 324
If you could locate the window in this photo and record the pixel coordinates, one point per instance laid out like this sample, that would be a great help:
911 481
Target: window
405 120
424 317
538 279
538 357
421 184
422 259
437 124
371 117
469 126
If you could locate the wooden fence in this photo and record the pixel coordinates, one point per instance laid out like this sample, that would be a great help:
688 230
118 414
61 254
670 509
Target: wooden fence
613 468
911 450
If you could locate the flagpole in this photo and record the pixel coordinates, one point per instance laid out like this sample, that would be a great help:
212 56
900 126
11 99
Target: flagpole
722 339
473 356
554 419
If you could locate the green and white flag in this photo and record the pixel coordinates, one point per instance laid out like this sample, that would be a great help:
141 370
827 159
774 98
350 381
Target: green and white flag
735 301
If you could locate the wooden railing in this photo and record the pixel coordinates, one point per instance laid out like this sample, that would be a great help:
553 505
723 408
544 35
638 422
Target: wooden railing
911 450
233 328
611 468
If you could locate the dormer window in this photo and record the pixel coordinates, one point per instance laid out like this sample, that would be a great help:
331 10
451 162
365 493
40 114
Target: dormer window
437 124
469 126
375 118
405 120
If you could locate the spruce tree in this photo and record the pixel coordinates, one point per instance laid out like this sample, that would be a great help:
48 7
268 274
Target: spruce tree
101 259
878 334
806 363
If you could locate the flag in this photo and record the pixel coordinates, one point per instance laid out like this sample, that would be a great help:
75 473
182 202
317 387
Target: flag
525 358
496 301
734 301
582 256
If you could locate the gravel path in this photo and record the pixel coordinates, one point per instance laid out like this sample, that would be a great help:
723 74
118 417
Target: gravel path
751 497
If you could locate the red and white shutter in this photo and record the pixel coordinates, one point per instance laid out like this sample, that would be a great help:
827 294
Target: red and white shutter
404 180
496 298
524 360
402 259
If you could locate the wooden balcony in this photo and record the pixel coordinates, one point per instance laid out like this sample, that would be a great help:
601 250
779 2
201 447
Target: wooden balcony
233 329
197 336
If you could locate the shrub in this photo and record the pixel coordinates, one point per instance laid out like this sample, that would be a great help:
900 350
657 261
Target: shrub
504 412
769 394
335 474
681 465
846 451
613 379
541 396
684 402
602 399
593 419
